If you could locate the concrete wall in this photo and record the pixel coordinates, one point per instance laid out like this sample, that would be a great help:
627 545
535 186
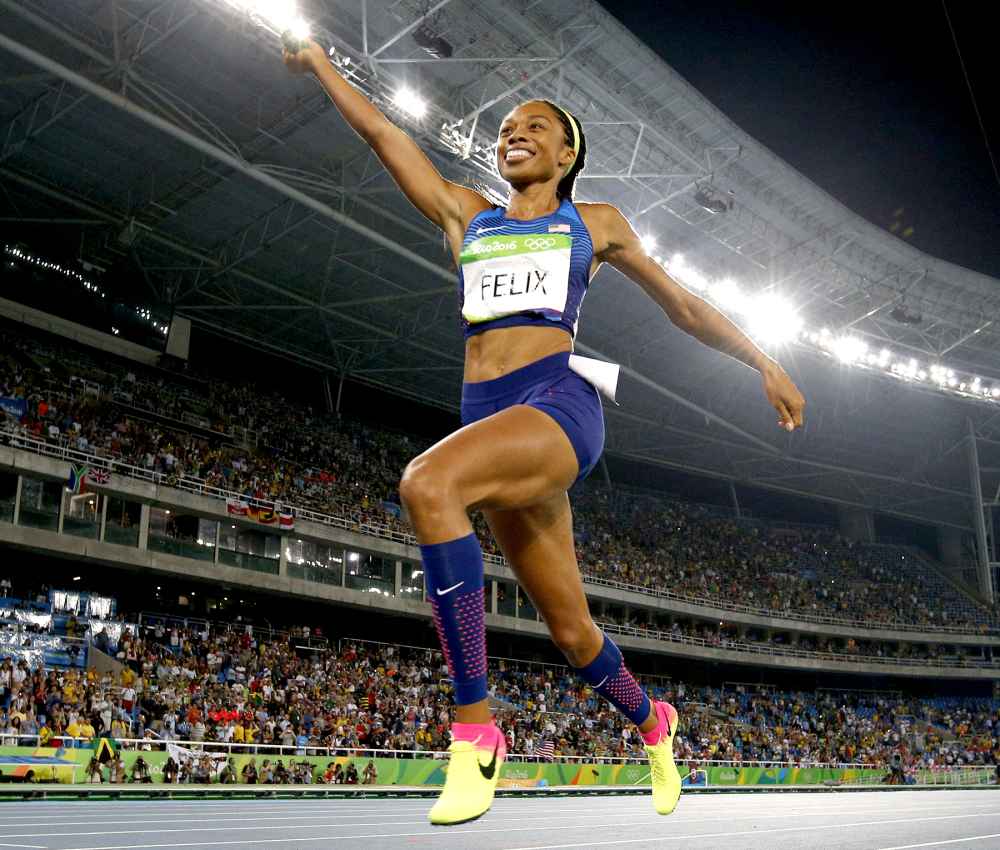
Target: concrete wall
149 493
155 564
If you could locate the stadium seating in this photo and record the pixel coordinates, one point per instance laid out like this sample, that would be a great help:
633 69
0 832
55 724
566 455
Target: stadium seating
247 441
234 688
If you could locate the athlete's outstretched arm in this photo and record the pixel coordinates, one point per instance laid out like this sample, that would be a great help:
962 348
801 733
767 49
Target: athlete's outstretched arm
446 204
620 246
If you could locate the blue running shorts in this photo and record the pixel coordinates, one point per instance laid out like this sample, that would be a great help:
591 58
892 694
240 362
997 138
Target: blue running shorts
549 385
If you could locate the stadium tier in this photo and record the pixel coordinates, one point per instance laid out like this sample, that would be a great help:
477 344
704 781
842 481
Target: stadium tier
260 451
255 691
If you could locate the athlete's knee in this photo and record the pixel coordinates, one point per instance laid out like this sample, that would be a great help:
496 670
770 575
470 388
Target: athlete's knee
426 486
577 638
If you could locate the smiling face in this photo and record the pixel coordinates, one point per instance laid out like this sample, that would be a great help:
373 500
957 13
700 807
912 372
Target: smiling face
532 145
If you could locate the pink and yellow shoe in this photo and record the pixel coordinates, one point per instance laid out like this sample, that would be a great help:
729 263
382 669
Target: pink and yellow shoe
665 779
477 753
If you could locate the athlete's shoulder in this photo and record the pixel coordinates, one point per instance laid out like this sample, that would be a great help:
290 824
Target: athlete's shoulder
598 212
471 202
604 221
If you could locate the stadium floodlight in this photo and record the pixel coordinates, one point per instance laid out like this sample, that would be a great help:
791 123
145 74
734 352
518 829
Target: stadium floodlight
407 100
772 319
648 243
850 349
727 293
277 16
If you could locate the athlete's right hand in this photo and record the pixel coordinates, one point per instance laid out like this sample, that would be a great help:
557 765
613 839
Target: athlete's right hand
306 60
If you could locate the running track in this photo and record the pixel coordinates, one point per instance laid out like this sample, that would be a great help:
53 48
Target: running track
879 820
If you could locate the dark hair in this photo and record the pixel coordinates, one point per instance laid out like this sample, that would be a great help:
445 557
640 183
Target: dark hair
568 183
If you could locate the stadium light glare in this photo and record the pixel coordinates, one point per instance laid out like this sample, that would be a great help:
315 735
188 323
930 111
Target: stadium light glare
277 16
407 100
684 274
850 349
727 293
648 243
773 319
299 29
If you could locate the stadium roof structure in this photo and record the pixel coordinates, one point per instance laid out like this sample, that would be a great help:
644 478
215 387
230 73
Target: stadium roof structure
172 132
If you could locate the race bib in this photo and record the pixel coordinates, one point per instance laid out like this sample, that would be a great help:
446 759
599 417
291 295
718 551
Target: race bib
505 275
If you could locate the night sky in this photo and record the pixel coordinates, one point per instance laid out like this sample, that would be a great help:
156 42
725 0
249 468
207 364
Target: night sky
867 100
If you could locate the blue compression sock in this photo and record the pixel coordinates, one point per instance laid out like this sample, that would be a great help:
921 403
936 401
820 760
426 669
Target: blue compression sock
608 675
454 579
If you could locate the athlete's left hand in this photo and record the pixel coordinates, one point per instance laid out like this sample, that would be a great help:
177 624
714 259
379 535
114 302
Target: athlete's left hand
783 395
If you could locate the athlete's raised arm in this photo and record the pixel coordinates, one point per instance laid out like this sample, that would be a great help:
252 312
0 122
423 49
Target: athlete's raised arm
447 204
620 246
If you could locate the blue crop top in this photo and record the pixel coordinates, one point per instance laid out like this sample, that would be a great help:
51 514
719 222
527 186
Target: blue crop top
524 272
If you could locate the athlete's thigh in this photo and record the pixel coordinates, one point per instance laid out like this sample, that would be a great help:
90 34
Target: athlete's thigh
512 459
538 544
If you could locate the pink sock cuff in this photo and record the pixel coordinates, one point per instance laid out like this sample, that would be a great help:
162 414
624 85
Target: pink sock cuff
485 736
666 716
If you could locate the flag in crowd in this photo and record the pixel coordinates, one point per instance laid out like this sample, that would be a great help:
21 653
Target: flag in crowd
547 750
80 476
77 475
265 516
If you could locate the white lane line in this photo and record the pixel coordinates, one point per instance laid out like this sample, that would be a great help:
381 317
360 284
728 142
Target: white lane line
940 843
448 833
207 807
695 835
543 816
34 846
526 814
168 815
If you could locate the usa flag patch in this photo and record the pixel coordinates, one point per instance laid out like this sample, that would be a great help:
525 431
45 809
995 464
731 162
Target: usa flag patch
559 228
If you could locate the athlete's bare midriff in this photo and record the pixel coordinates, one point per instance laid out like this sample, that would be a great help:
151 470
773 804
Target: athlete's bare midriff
494 353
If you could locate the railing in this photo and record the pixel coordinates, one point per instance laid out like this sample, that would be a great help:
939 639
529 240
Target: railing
382 531
771 613
160 744
149 620
792 652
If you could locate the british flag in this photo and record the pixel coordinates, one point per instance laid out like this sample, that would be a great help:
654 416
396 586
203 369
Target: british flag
99 476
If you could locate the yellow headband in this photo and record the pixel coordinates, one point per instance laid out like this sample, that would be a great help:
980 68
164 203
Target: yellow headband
576 136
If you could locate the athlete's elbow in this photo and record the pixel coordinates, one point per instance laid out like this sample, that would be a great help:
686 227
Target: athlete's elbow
686 318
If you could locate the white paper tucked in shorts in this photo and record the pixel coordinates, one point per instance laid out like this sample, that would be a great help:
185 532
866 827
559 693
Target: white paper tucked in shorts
603 375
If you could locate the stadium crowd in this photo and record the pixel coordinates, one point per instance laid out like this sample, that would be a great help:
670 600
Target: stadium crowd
226 687
245 440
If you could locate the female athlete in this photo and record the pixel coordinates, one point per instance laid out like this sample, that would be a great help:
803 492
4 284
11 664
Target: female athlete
531 426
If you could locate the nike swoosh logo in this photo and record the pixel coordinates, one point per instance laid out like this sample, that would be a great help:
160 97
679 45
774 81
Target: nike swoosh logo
488 770
487 229
450 589
600 683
